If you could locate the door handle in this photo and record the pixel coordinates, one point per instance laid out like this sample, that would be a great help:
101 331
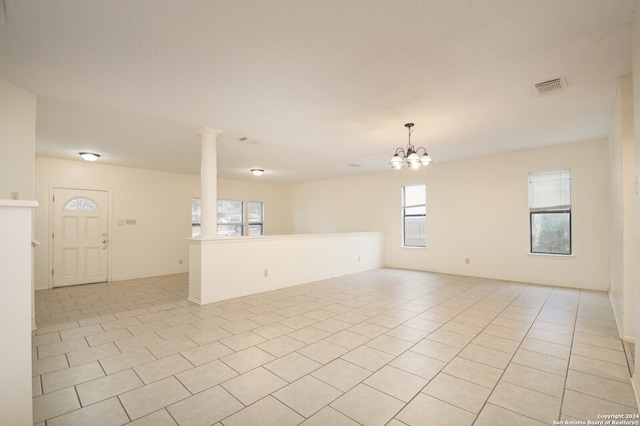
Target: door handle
105 241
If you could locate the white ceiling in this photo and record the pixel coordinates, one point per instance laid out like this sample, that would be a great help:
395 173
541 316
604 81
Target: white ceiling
318 86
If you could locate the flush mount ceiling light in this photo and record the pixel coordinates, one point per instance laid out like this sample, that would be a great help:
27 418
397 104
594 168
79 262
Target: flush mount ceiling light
89 156
410 157
257 172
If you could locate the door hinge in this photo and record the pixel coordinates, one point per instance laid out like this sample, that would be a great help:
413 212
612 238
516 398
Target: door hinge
52 272
53 234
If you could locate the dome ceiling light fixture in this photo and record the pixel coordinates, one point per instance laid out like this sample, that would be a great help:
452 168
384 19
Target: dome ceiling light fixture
89 156
410 157
257 172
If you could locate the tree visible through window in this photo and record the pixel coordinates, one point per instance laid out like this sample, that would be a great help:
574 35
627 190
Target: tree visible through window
414 214
550 212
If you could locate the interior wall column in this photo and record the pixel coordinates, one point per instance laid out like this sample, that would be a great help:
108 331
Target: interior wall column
209 183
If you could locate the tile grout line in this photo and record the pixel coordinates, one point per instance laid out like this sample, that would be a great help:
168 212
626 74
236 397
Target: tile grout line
513 355
375 300
457 354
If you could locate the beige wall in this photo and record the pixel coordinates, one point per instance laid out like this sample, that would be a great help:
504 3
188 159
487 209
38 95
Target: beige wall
160 203
622 196
17 142
271 195
476 209
636 119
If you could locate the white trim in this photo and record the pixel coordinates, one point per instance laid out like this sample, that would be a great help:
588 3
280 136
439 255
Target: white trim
636 389
109 192
18 203
615 315
248 238
552 256
415 247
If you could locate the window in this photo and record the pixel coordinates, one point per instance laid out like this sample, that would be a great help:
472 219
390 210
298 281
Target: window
231 218
550 212
256 217
195 217
81 204
414 214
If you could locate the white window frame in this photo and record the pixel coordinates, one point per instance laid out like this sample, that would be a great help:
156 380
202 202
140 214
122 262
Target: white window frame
195 217
559 203
245 221
251 222
404 209
235 223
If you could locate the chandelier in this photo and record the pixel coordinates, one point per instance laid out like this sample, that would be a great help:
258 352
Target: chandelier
410 157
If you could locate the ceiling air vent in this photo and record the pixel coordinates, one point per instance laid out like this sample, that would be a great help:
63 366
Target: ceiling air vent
550 86
248 141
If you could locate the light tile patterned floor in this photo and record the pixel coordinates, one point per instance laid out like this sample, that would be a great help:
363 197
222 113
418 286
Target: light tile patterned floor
382 347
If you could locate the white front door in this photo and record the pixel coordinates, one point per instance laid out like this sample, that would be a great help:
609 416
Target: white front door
80 236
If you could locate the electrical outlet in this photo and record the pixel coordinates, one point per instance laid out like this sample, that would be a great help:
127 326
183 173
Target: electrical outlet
467 261
180 262
266 273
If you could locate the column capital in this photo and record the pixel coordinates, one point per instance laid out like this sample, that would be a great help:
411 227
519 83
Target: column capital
209 132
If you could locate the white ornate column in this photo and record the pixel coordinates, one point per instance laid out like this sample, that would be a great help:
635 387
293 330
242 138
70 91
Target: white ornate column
209 183
208 211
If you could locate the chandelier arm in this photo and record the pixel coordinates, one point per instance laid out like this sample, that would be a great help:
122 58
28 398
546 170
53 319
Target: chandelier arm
421 148
400 150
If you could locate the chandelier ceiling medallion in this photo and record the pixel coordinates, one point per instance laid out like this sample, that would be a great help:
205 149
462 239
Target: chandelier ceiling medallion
410 157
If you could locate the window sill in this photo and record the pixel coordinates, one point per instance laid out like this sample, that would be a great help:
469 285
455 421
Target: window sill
414 247
552 256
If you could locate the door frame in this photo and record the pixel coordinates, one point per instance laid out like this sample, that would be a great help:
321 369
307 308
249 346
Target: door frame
52 189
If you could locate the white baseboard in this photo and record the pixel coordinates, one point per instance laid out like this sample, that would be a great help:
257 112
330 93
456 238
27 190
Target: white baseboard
615 316
636 389
194 300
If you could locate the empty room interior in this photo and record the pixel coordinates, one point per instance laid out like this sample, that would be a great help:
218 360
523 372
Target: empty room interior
291 212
